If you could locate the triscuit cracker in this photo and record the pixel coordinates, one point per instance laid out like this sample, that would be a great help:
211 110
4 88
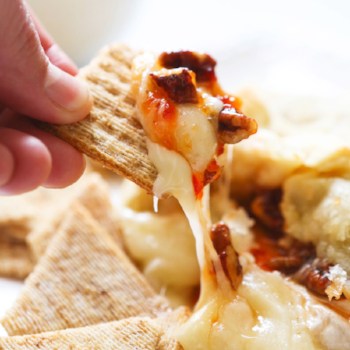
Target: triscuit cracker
18 214
111 134
28 221
83 279
129 334
93 193
15 258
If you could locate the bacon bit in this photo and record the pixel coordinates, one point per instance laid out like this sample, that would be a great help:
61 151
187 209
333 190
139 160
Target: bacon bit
180 86
234 126
314 276
266 208
220 236
201 64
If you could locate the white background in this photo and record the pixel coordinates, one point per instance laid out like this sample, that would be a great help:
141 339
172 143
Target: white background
301 45
253 40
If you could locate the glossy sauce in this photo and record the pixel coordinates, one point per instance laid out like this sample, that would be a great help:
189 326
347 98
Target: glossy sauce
161 117
161 121
265 249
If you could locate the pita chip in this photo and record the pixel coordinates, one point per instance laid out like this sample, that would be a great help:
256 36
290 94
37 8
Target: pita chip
84 278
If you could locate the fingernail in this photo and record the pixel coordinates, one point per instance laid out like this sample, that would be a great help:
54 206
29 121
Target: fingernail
65 90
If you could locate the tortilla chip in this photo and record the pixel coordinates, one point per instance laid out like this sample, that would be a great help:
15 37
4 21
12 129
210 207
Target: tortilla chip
111 134
15 258
83 279
134 333
93 193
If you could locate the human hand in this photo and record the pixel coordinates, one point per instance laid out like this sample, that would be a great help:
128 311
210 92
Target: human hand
37 81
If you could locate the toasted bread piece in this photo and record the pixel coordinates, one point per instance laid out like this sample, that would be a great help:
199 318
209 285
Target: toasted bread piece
83 279
111 134
129 334
93 193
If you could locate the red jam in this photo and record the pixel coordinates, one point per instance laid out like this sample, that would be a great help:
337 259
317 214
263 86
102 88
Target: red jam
265 250
198 184
166 91
161 117
199 180
231 101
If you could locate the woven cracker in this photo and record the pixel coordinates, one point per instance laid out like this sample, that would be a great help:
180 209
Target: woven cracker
18 216
170 322
18 213
83 279
111 134
15 258
93 193
21 214
129 334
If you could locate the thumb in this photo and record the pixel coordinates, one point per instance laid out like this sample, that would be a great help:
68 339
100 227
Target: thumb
29 83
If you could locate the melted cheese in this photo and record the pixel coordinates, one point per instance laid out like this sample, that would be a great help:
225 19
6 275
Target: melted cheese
162 243
191 126
175 177
192 123
264 313
194 147
316 209
338 278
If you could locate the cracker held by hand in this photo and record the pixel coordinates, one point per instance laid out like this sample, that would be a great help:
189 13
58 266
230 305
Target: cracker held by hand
111 134
176 98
